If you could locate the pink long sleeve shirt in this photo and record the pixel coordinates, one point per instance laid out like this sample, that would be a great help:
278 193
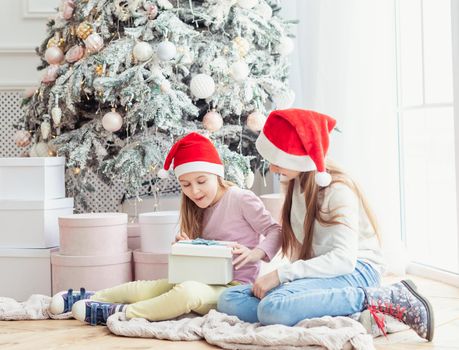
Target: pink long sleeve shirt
240 216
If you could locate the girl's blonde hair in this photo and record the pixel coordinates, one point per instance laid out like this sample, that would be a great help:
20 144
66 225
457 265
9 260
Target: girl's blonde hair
191 215
313 195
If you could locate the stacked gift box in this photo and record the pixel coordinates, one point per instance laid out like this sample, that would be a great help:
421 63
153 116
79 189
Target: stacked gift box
32 197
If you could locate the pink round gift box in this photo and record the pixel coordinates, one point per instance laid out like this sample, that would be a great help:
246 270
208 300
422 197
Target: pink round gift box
91 272
93 234
273 203
133 231
150 266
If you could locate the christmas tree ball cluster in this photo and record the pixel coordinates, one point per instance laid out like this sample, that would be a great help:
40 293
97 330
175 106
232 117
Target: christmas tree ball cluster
123 80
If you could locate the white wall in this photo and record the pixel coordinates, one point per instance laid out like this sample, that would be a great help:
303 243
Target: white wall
344 65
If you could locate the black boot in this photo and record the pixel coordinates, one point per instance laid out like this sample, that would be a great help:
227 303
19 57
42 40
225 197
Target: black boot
402 301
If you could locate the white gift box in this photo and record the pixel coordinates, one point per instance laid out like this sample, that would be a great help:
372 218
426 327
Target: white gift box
158 231
210 264
24 272
32 224
32 178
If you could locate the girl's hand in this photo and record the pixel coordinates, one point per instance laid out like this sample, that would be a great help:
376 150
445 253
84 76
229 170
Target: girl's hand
265 283
181 237
246 255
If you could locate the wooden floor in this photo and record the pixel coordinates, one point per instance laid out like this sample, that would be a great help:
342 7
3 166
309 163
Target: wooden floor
71 334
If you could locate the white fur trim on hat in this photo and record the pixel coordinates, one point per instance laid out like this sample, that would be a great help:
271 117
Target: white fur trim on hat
278 157
323 179
205 167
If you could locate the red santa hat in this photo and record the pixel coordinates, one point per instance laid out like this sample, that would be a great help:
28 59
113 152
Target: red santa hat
297 139
194 153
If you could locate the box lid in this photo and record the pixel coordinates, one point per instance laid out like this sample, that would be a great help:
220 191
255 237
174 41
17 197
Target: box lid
32 161
150 258
90 260
27 252
160 217
219 250
93 219
45 204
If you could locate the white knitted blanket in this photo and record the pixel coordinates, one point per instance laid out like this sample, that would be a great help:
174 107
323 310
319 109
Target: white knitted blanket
229 332
223 330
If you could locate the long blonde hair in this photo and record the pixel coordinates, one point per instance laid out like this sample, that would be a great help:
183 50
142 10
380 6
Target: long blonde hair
191 215
313 195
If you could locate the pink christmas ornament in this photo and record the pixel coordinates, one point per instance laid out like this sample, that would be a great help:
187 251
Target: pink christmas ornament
256 121
29 92
22 138
51 74
112 121
54 55
212 121
74 54
152 10
68 7
94 42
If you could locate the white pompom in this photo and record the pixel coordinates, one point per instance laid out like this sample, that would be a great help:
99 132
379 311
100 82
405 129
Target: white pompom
255 121
202 86
249 179
162 173
323 179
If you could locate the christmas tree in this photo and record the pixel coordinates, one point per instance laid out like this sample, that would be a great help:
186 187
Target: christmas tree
124 79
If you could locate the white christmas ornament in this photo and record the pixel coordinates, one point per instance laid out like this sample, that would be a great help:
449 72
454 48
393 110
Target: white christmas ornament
284 100
112 121
166 50
22 138
202 86
264 11
165 86
256 121
94 42
45 129
162 174
285 46
56 114
142 51
165 4
247 4
239 70
249 179
212 121
40 149
54 55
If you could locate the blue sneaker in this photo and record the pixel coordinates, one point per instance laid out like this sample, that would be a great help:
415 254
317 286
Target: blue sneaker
62 302
95 312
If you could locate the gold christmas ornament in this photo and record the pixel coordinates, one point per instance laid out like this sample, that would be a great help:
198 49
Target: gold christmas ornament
56 41
99 70
76 171
84 30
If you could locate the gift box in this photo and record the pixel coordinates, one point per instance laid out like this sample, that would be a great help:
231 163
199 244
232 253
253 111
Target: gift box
37 178
273 203
32 224
24 272
158 230
133 231
150 266
209 263
91 272
93 234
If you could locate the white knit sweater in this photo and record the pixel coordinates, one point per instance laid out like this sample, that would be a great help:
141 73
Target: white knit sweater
335 248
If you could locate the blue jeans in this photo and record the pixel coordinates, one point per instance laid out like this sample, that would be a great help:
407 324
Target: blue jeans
292 302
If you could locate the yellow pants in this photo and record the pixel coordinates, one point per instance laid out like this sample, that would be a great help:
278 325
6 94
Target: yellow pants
159 300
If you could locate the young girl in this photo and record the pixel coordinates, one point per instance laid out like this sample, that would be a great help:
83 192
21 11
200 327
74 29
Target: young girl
330 236
213 209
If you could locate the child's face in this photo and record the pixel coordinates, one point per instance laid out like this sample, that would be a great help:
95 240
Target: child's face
289 174
201 188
